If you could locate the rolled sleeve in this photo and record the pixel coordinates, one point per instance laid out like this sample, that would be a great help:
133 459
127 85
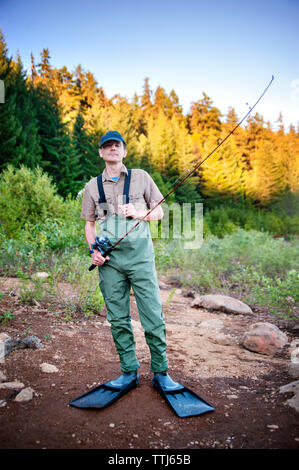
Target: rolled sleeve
88 206
152 194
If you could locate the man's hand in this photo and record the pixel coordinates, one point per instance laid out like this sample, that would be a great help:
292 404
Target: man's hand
98 259
90 235
128 210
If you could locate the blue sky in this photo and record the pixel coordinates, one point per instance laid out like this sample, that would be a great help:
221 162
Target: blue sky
227 49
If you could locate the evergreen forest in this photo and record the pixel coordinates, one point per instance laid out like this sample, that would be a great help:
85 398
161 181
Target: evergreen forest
54 118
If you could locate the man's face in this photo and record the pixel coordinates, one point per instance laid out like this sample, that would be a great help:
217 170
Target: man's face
113 151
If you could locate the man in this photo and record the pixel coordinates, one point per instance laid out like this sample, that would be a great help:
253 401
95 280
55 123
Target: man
131 263
117 199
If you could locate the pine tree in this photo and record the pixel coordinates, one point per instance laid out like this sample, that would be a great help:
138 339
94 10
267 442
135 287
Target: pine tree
60 159
90 163
255 132
146 98
10 128
174 104
19 127
86 91
28 149
122 118
183 147
90 90
44 67
97 118
281 148
265 182
161 101
161 143
137 116
33 68
168 104
204 117
292 160
224 173
62 82
169 150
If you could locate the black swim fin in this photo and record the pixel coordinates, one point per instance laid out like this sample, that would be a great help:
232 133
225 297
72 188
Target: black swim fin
182 400
107 393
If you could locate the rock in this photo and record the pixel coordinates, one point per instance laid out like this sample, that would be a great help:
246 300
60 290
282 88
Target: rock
9 397
189 293
293 370
213 324
13 293
11 385
25 395
222 303
291 387
41 275
294 388
48 368
163 286
4 337
2 376
264 338
222 339
295 356
32 342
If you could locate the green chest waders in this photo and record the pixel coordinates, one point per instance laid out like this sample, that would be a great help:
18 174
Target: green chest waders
132 264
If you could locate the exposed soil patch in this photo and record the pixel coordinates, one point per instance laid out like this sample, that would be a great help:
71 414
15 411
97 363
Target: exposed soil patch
243 386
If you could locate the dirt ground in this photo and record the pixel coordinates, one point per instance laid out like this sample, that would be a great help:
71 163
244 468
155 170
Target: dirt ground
243 386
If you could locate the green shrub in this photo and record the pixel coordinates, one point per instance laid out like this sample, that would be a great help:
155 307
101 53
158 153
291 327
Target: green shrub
225 219
5 317
280 295
38 246
89 302
218 222
27 197
252 264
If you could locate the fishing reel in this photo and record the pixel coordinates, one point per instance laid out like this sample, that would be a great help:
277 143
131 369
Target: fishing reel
104 245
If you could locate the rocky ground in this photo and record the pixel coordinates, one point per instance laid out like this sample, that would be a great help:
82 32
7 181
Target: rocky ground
205 351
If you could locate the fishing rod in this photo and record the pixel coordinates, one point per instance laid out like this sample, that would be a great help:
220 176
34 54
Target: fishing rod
104 245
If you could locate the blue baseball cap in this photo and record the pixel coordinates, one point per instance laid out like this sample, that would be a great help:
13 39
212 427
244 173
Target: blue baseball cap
111 135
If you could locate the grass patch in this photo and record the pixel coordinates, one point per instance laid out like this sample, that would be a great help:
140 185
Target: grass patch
252 265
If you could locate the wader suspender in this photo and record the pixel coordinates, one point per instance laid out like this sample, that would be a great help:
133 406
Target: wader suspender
102 198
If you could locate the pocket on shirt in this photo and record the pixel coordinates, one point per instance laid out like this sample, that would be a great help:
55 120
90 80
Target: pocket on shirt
137 199
100 210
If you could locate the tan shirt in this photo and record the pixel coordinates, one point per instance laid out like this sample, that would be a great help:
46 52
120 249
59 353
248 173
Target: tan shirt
143 193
